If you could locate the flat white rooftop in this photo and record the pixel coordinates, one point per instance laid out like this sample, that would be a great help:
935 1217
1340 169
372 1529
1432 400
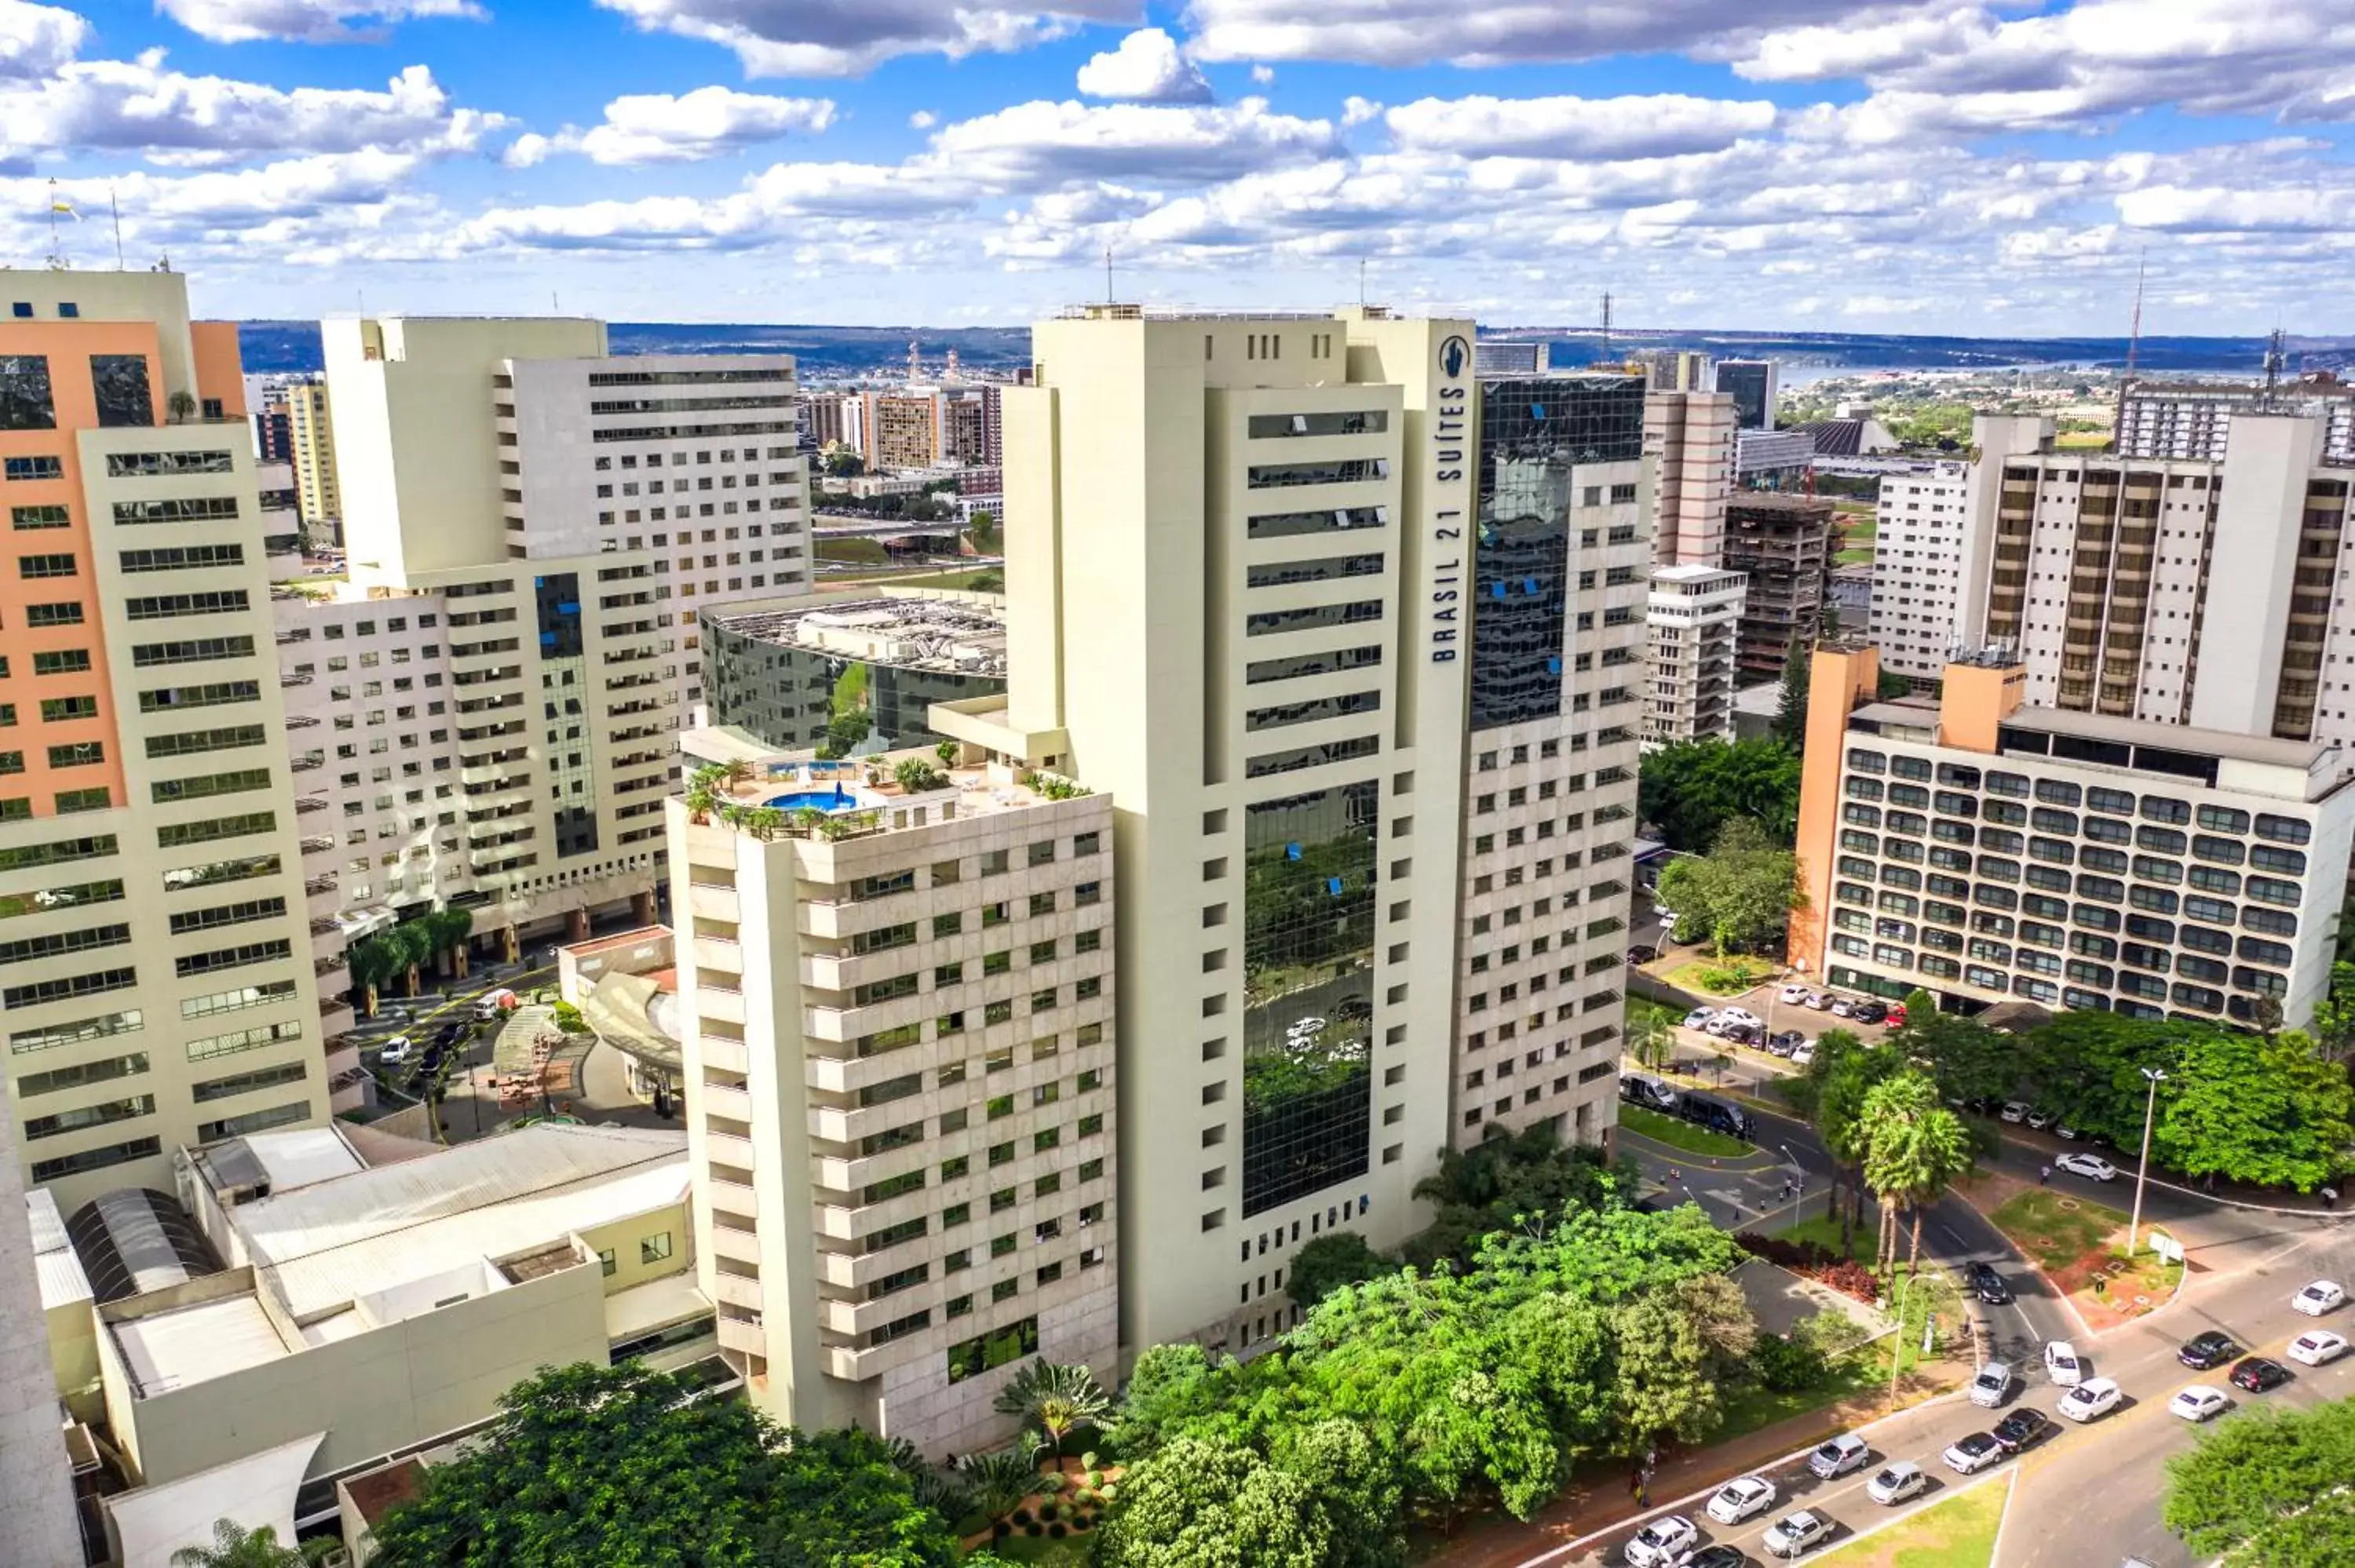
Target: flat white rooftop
194 1344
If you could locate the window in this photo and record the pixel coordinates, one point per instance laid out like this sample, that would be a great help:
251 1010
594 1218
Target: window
120 384
26 403
654 1249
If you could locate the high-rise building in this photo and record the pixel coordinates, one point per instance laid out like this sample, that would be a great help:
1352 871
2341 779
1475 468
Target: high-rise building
160 984
1676 370
790 675
904 430
899 1051
273 429
2174 590
1986 850
1689 436
1782 544
2194 420
1919 528
1751 382
834 418
972 424
311 435
1557 683
1507 357
1692 615
558 516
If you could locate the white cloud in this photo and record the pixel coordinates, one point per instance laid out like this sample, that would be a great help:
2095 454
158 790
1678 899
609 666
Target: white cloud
847 38
923 119
1514 32
126 105
1146 69
1586 127
1265 75
1042 144
657 128
304 21
1357 111
37 39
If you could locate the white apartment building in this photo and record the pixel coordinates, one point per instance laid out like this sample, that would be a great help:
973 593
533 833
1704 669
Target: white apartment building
1918 560
1691 436
2194 420
159 983
899 1037
1691 618
1557 682
558 515
1987 849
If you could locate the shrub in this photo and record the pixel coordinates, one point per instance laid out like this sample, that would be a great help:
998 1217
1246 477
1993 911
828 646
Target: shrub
1108 1491
1814 1261
1088 1462
1095 1477
1788 1366
1051 1482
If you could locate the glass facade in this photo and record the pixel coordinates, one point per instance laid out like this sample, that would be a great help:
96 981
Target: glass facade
25 400
1308 959
570 759
1534 433
120 383
1748 383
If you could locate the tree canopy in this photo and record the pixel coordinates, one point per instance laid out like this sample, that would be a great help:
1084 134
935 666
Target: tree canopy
1689 791
632 1468
1740 895
2269 1489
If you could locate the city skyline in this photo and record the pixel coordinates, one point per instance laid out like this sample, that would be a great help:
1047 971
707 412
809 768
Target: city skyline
1801 164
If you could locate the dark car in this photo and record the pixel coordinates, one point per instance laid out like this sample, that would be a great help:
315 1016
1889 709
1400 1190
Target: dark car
2257 1374
2023 1428
1782 1044
2202 1351
1743 1033
1353 1007
1641 954
1986 1283
1720 1555
1869 1012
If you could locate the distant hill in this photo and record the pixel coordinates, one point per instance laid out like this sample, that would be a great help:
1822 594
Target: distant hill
830 352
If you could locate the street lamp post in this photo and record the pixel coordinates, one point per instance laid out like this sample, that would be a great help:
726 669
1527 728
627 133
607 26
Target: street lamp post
1897 1340
2142 1166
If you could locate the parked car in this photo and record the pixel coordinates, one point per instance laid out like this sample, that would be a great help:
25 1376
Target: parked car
2208 1349
1667 917
1717 1115
2022 1428
1698 1017
396 1050
1305 1028
1782 1044
1895 1016
1743 1035
1792 993
1720 1556
1821 1002
2092 1167
1805 1055
486 1009
2062 1366
1992 1386
1985 1283
2039 1118
1974 1454
1739 1015
1661 1543
2013 1112
2259 1375
2316 1346
1794 1533
2091 1400
1843 1006
2197 1403
1869 1010
1642 953
1738 1500
2322 1296
1844 1453
1896 1483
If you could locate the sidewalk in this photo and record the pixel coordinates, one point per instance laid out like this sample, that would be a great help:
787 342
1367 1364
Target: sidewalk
2043 1145
1596 1499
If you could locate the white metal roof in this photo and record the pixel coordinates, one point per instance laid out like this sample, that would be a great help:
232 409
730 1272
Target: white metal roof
298 1159
192 1344
58 1267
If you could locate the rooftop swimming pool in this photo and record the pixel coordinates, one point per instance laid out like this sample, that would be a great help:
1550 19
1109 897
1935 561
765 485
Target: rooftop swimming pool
835 798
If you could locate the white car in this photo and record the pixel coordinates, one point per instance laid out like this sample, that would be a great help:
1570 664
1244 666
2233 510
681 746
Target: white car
1974 1454
1894 1485
2092 1167
2013 1112
2039 1119
1992 1386
1803 1056
2322 1296
1661 1543
2063 1129
1794 1533
1740 1015
1665 915
2197 1403
1793 994
1843 1006
2316 1346
2089 1399
396 1050
1302 1028
2062 1366
1698 1018
1837 1456
1738 1500
1821 1000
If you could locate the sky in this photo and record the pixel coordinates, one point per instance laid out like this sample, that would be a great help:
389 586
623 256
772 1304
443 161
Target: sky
1908 165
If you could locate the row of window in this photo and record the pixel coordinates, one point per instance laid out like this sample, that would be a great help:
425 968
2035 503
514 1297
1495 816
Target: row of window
2098 798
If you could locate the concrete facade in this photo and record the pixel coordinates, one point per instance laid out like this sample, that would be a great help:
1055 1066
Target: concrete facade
1919 558
1691 618
1691 438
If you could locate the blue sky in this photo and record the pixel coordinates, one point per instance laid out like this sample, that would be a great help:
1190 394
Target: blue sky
1912 165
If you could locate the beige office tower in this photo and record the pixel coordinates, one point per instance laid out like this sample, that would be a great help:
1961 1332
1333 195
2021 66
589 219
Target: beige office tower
1692 618
311 431
549 518
2177 590
1558 677
1238 579
902 428
898 1032
159 985
1691 438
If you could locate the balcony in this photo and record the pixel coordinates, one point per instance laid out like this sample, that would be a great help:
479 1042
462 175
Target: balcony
736 1290
742 1335
335 1014
720 1100
729 1150
308 804
725 1055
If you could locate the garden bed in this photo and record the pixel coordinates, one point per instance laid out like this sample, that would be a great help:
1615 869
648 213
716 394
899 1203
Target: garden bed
2079 1245
1722 976
1674 1133
1062 1513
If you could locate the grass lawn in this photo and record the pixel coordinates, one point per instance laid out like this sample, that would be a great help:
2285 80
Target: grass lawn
1678 1134
1749 1409
1721 977
1068 1552
1826 1233
1958 1533
2056 1228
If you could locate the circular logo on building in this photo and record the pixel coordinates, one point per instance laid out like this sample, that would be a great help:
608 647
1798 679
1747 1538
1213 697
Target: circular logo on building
1455 354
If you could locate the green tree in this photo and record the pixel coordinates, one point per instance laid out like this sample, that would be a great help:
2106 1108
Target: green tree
2269 1489
233 1547
1970 1061
1686 792
2268 1111
1914 1148
999 1481
1666 1377
623 1464
1842 1075
1503 1180
1204 1503
1055 1399
840 462
1330 1261
1742 892
1791 712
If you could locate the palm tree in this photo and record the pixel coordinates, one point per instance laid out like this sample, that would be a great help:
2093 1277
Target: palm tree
1916 1149
234 1547
1000 1481
1056 1399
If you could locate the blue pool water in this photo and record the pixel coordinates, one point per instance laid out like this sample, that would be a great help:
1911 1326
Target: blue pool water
836 799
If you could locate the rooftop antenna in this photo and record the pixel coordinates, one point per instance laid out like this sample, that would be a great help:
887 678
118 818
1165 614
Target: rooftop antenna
915 364
2274 356
2134 332
1108 293
1361 282
58 204
116 208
